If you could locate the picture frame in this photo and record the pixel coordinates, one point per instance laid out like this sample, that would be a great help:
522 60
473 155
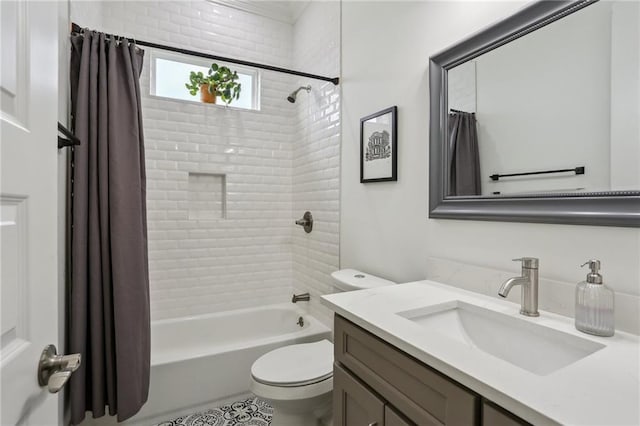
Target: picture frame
379 146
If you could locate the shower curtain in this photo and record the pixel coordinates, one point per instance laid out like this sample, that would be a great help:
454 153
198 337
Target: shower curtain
463 155
108 301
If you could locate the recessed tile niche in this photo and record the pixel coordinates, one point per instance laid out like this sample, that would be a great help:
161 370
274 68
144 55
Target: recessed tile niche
207 196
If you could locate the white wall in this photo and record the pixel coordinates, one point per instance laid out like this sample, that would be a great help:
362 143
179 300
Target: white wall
384 227
87 14
625 95
544 104
462 88
316 156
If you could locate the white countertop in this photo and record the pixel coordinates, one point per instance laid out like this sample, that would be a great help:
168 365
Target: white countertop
600 389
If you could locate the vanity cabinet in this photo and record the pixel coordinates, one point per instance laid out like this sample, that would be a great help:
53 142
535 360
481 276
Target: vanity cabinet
356 404
496 416
377 384
393 418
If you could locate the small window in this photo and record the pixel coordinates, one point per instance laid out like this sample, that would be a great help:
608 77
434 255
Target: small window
170 72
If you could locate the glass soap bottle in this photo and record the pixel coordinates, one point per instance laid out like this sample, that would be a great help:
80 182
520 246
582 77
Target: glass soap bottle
594 304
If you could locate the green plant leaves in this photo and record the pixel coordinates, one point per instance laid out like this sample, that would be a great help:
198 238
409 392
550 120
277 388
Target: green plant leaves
220 79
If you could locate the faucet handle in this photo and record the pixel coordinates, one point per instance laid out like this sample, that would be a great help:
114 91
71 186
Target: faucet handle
528 262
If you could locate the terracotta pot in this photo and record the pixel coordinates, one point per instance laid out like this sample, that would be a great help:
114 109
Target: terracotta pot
206 96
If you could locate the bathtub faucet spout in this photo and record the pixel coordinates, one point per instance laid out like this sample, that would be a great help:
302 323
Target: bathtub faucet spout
304 297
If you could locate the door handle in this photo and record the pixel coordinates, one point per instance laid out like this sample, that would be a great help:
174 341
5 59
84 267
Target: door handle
55 370
58 380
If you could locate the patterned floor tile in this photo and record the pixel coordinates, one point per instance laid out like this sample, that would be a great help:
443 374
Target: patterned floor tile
250 412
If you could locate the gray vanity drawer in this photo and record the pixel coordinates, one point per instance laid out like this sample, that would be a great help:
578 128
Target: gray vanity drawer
423 395
392 418
496 416
353 403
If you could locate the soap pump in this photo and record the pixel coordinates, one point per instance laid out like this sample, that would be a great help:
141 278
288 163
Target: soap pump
594 304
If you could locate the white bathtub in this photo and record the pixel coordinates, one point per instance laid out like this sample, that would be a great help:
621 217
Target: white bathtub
201 360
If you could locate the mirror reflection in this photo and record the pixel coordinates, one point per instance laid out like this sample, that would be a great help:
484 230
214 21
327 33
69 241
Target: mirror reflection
556 110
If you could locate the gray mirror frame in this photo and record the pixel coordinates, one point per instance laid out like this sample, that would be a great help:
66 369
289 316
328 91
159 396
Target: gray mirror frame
614 208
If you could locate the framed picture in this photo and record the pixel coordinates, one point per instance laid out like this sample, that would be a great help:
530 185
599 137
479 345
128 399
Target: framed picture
378 146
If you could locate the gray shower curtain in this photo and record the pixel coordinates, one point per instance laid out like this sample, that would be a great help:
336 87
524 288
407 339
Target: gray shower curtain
463 155
108 301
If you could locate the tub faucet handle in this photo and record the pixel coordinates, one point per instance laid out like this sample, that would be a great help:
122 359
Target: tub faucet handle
306 222
303 297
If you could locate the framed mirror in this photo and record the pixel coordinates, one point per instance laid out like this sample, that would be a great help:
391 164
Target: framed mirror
536 118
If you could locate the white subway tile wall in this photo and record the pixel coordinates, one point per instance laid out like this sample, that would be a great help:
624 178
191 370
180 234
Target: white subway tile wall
206 264
316 155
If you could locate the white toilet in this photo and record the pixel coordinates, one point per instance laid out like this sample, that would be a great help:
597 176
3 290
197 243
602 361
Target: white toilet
297 380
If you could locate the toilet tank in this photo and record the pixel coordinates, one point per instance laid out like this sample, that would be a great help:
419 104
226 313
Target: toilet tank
352 279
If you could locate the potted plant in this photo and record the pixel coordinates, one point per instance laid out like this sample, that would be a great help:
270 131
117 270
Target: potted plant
219 81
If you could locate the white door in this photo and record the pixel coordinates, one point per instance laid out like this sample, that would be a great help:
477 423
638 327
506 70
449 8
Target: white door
28 201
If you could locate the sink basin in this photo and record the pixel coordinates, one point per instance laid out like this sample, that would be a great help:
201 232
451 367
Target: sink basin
535 348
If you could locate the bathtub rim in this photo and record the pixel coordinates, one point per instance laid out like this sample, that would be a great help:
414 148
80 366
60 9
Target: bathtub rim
314 327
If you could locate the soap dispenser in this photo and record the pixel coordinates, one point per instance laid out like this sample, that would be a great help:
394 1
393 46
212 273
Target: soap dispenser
594 304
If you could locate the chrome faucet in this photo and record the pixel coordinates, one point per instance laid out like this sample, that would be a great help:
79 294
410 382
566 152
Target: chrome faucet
529 283
304 297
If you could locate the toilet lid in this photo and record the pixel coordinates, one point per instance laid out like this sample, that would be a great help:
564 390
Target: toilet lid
295 365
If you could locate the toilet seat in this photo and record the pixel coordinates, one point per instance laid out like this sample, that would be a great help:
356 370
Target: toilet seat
290 393
295 365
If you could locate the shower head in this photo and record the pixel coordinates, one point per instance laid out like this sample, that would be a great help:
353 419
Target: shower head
292 97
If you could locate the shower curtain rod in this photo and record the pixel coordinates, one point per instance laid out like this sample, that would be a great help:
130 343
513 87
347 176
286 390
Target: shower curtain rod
75 28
